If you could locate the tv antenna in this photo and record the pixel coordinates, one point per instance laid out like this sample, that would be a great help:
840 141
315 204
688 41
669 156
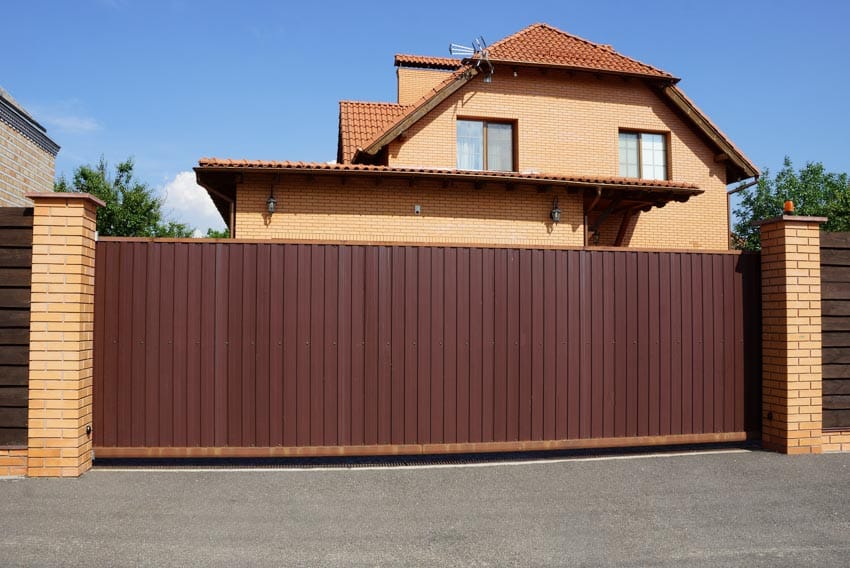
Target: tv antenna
479 49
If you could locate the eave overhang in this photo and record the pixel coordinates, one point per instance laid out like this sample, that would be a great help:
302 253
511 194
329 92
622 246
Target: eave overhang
221 177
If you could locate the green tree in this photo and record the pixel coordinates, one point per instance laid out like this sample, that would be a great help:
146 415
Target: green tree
814 192
131 210
214 234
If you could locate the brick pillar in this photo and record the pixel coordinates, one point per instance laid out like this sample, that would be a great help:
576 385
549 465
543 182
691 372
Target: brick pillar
791 334
61 333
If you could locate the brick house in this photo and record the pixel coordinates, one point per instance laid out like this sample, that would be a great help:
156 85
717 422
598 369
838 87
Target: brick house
27 154
482 151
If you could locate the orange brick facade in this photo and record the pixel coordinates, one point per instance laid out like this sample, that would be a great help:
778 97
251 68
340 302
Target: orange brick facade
61 334
569 123
360 211
564 124
413 84
13 462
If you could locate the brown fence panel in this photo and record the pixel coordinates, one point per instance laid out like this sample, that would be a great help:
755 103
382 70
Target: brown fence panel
835 308
400 348
15 278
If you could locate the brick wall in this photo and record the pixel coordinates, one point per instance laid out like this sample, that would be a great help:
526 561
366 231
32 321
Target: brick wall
569 124
326 209
413 84
836 441
24 168
13 462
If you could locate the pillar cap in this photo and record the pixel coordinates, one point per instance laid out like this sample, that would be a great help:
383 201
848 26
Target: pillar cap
63 195
791 219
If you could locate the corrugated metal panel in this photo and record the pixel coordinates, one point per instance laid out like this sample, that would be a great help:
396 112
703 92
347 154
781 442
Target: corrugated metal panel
297 345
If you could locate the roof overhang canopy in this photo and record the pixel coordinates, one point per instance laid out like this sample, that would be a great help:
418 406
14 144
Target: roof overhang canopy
221 179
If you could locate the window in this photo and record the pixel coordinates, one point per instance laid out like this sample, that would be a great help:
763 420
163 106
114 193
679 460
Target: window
643 155
485 145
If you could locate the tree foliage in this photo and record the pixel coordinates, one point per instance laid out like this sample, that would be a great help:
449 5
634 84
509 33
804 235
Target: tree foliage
216 234
131 210
814 192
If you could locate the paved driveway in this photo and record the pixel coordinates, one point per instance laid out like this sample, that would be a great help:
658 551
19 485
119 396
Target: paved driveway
708 509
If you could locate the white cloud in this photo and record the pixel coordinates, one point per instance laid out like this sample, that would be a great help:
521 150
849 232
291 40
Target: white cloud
187 202
71 124
65 116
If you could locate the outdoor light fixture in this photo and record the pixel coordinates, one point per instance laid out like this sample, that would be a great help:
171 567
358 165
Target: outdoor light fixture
555 214
271 202
788 208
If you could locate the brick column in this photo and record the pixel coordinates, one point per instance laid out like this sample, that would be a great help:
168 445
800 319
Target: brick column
61 334
791 334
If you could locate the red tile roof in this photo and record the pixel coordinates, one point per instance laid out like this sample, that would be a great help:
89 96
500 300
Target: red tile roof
360 123
463 73
426 62
472 175
541 44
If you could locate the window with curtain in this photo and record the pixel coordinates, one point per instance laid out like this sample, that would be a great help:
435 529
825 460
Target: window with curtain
483 145
643 155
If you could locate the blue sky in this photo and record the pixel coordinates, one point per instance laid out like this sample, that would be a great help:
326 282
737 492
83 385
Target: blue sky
168 82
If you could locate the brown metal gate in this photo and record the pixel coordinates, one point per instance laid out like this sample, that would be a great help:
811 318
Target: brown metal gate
298 349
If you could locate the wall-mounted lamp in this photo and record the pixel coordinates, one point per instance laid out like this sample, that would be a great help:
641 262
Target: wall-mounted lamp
555 213
271 202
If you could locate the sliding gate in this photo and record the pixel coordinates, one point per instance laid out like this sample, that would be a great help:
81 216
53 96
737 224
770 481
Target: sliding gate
269 349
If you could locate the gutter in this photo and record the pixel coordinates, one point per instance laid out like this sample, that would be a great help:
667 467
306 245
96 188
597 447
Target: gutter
729 195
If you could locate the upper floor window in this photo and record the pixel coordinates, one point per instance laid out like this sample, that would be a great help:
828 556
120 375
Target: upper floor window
483 145
643 155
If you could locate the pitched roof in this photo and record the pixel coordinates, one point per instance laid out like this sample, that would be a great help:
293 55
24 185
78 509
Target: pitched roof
427 62
420 108
361 122
538 44
544 45
541 44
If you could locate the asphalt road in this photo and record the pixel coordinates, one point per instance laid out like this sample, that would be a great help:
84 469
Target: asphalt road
710 509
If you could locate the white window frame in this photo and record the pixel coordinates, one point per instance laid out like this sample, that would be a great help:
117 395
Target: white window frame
641 162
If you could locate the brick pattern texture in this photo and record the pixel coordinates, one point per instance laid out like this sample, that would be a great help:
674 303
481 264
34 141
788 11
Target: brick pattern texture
836 441
413 84
329 208
61 335
791 336
13 462
569 124
565 124
24 168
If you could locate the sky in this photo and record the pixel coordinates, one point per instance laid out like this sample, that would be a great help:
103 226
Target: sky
167 82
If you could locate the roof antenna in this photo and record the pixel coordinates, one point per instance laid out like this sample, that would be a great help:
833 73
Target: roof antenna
478 51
